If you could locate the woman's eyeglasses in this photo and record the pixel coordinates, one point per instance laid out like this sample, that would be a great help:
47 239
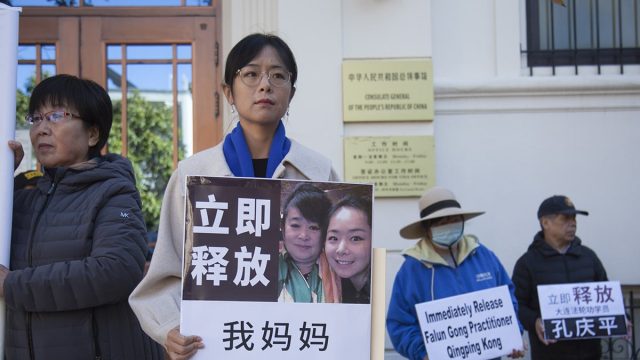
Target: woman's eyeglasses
252 77
52 116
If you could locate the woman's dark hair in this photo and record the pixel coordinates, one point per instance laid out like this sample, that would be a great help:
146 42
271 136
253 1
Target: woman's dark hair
426 225
88 98
249 47
359 203
312 202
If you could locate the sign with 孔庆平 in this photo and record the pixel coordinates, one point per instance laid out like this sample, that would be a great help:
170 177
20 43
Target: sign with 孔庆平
398 166
387 90
582 310
476 325
264 271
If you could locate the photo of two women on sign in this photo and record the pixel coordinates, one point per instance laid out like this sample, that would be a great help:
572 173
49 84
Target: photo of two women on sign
319 232
326 243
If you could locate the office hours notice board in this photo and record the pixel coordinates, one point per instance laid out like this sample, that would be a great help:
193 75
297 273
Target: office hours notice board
398 166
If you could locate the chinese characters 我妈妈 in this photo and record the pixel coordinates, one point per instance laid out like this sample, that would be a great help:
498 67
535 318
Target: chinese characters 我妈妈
240 334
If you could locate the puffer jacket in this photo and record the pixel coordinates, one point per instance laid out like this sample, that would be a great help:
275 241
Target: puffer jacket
77 251
543 265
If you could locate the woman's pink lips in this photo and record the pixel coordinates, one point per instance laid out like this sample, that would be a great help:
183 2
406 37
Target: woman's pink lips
265 101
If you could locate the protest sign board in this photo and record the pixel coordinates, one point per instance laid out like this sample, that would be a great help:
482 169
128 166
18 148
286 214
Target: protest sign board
236 292
582 310
476 325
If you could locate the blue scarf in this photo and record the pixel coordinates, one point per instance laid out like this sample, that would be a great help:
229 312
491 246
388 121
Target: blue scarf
236 152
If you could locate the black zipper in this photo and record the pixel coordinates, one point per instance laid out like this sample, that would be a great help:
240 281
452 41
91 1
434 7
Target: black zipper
50 193
30 337
96 344
566 268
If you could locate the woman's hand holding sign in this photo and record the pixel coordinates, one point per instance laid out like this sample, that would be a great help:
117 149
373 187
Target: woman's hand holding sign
180 347
18 153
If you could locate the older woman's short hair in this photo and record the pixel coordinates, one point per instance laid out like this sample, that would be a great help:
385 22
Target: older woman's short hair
312 203
89 99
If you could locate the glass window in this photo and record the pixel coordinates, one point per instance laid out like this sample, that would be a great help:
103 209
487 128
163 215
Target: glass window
198 2
135 2
44 2
26 78
35 62
26 52
159 113
26 82
48 71
184 51
582 32
114 52
150 78
146 3
114 77
48 52
185 111
135 52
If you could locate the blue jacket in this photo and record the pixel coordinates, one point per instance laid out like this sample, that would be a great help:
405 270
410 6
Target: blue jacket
425 276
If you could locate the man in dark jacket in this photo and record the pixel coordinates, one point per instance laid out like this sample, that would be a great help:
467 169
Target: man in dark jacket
556 256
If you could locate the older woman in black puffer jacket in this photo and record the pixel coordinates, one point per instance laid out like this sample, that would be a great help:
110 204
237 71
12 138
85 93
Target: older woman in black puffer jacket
78 239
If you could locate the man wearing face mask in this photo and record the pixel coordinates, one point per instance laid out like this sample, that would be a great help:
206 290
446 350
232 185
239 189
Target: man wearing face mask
444 262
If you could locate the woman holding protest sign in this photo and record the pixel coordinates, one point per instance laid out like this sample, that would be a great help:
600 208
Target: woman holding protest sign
303 272
259 80
348 247
443 263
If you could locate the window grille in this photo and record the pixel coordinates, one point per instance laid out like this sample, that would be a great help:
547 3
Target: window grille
582 32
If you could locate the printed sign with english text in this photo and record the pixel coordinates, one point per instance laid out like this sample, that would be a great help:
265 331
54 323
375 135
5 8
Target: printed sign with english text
476 325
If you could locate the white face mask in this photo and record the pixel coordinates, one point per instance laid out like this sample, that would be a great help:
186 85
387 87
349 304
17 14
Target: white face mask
447 235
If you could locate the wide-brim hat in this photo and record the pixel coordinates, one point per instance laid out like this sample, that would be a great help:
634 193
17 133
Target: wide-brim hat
436 202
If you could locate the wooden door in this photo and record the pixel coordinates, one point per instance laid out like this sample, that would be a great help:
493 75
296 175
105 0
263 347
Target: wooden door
159 65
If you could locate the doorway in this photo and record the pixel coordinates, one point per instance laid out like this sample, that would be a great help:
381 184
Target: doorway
160 66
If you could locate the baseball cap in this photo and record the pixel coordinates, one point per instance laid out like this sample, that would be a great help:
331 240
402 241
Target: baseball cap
558 204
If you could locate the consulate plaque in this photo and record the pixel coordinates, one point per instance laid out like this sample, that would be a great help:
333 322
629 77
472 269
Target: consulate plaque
387 90
398 166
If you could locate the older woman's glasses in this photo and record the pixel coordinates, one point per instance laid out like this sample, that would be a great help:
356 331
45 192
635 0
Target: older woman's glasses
252 77
52 116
